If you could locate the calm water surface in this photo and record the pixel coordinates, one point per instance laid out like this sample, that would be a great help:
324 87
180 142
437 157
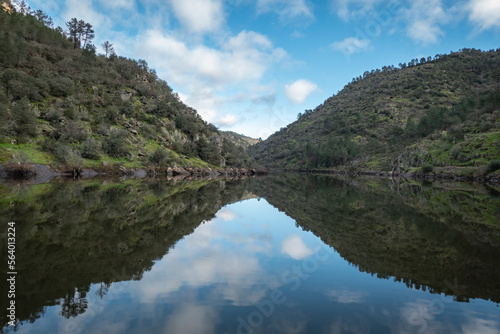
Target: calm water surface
279 254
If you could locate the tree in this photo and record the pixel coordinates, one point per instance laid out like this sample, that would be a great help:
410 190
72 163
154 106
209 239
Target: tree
496 77
80 32
43 18
108 48
23 7
87 34
25 121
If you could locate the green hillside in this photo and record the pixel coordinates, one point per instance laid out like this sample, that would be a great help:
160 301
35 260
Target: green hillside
432 113
239 139
61 104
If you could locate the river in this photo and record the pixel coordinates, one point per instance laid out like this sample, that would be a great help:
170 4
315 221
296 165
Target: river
284 253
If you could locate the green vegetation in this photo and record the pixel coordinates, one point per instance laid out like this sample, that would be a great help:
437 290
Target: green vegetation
442 111
99 232
61 99
425 235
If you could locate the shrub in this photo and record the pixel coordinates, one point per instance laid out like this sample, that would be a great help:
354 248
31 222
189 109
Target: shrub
61 86
54 115
116 145
24 118
160 156
427 168
91 149
493 166
65 154
73 131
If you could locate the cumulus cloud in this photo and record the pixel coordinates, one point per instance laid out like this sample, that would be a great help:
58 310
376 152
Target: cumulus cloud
295 247
204 73
351 45
120 4
242 58
199 16
424 18
84 10
286 10
347 9
226 215
191 319
484 13
228 120
483 326
299 91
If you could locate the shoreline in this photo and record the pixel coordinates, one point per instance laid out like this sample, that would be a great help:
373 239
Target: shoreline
488 179
43 173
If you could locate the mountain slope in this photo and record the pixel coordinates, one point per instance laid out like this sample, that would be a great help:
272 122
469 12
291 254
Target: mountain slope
240 140
441 111
62 104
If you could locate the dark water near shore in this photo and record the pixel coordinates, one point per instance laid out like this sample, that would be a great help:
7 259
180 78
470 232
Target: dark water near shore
283 253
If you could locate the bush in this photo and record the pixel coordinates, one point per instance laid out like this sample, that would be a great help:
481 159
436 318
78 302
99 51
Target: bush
63 152
54 115
73 131
160 156
427 168
24 118
61 86
116 145
91 149
493 166
6 123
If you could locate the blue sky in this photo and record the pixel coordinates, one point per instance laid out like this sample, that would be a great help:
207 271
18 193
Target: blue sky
251 66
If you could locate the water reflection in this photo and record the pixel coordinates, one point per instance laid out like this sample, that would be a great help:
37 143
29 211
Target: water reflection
215 256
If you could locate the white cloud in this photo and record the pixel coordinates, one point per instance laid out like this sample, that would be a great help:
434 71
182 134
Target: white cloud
199 16
348 9
242 58
299 91
83 10
424 19
120 4
192 319
351 45
226 215
485 13
205 74
286 10
228 120
295 247
345 296
481 326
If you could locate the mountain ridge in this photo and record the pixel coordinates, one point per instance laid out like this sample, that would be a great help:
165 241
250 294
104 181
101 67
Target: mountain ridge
434 113
62 104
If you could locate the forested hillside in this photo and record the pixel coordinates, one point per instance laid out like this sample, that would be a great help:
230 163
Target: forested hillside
61 103
434 112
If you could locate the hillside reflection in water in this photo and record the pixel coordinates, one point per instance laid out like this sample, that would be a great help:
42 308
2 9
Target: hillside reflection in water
279 254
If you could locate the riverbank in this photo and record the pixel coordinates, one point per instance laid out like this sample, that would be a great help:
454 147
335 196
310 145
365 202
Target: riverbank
438 173
43 173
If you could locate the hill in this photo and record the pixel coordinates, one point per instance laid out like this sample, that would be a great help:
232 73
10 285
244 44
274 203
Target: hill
61 104
434 112
240 140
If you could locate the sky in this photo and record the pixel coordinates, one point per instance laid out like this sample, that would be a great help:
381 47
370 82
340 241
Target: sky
250 66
